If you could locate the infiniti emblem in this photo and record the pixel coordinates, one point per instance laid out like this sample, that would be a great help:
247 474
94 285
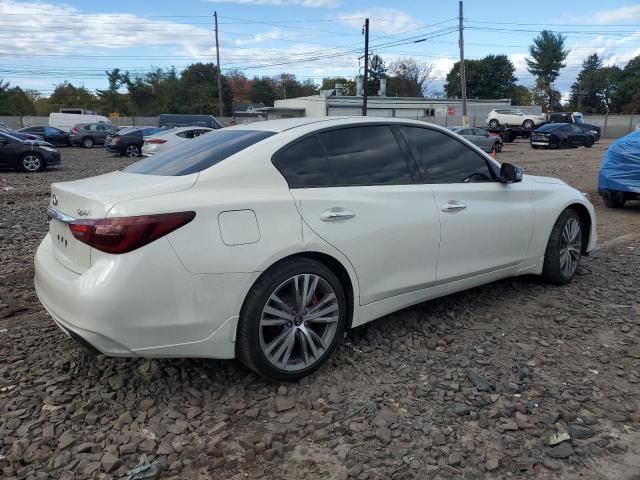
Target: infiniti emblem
83 212
54 199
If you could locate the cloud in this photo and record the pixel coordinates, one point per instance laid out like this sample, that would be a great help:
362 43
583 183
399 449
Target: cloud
274 34
283 3
385 20
622 14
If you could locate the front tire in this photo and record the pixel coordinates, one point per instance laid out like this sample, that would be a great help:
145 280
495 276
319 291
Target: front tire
493 123
132 151
614 199
562 256
291 320
528 124
32 162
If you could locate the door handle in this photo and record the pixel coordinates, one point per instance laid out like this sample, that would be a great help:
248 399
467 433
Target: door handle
453 206
336 213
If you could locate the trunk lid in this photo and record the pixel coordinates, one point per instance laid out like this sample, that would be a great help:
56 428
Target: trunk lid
93 198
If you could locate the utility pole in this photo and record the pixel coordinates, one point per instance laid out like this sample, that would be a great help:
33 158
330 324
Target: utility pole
366 67
463 78
215 18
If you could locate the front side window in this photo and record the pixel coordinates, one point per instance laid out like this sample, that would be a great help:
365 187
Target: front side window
443 159
366 156
200 154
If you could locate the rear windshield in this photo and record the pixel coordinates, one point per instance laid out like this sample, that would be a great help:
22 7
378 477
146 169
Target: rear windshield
199 154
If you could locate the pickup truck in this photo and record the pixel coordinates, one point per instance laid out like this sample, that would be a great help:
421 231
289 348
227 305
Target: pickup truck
576 118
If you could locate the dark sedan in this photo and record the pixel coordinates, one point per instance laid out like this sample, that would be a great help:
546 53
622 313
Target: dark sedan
129 141
51 135
561 135
27 155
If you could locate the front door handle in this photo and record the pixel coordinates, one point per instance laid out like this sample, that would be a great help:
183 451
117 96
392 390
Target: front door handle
453 206
336 213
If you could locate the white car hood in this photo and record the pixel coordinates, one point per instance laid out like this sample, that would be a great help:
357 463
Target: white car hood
547 180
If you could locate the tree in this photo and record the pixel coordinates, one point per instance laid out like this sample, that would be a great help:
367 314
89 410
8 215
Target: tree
240 86
409 78
627 96
584 91
65 94
262 91
199 90
521 95
489 77
110 99
329 83
547 59
15 101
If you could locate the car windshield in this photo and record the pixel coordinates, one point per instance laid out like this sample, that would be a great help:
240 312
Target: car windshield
578 118
199 154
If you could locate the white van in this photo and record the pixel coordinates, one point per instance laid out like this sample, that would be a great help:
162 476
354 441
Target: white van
65 121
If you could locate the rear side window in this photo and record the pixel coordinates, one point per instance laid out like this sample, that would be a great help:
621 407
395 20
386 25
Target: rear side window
443 159
366 156
304 164
185 134
200 154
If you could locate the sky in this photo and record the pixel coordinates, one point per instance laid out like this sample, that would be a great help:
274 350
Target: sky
43 43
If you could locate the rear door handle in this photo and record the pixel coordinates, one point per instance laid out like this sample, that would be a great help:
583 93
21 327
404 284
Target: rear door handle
453 206
336 213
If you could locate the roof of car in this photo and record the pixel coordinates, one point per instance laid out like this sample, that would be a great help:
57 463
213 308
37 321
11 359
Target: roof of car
552 126
289 123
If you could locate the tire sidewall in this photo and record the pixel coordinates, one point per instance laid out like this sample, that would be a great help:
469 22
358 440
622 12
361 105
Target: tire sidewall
134 148
40 167
551 270
250 352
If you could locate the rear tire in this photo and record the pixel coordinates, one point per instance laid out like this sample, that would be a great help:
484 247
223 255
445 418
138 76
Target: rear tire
562 256
88 142
589 143
498 146
528 124
279 342
614 199
563 144
493 123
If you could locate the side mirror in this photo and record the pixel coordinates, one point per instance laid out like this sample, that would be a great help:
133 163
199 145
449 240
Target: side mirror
510 173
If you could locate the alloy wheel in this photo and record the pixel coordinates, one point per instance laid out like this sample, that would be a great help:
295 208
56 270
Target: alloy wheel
299 322
132 151
570 246
31 163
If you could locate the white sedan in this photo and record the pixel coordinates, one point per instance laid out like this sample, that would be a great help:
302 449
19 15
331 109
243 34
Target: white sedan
170 138
265 241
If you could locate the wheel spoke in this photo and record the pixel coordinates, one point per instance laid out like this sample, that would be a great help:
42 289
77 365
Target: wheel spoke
310 291
317 338
303 346
331 308
277 313
323 320
275 298
310 342
321 304
273 322
275 342
284 346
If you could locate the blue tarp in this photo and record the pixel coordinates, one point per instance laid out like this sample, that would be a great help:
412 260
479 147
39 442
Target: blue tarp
620 169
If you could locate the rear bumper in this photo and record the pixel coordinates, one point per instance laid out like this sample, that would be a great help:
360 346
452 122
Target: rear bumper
132 306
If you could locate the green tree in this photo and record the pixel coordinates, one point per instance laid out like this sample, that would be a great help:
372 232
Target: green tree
329 83
199 90
489 77
584 91
110 99
66 95
262 91
15 101
548 55
521 95
627 96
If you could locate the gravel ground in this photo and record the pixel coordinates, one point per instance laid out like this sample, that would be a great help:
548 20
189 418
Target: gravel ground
516 378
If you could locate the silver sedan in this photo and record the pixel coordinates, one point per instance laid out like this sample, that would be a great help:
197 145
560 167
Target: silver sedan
480 137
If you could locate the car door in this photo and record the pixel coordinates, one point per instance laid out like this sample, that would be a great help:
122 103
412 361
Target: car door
482 139
359 191
485 225
10 151
577 136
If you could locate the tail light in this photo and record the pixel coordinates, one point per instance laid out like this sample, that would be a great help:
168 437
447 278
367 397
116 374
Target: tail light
75 129
124 234
157 141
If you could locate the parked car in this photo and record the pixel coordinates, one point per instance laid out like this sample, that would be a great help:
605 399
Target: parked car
89 134
513 116
486 141
66 121
166 139
561 135
259 241
26 155
180 120
51 135
576 118
619 177
130 140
